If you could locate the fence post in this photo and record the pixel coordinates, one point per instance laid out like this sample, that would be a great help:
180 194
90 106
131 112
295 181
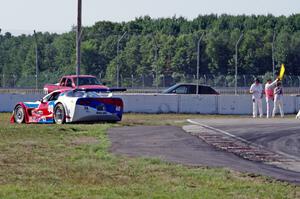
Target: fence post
290 83
143 79
121 78
132 80
14 81
153 79
3 84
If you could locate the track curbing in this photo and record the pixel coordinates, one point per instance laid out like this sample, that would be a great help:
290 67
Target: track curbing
225 141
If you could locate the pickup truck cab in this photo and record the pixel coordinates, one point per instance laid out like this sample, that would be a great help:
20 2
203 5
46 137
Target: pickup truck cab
70 82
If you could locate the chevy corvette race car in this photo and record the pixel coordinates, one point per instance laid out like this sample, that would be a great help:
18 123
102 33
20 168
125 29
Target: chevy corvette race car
65 106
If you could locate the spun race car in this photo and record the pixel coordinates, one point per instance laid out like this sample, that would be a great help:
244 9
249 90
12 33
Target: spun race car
70 106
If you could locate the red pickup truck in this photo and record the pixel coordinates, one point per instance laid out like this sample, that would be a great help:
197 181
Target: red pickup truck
70 81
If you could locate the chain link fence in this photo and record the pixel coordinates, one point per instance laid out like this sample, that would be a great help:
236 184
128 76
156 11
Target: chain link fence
149 83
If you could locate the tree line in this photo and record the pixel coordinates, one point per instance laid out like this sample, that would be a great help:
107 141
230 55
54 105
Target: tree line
163 46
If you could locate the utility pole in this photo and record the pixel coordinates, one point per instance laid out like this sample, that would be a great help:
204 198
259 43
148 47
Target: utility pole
236 62
156 65
78 40
198 62
118 49
36 61
273 52
2 64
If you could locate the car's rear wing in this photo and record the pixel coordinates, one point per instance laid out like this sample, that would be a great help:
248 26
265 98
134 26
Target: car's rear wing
117 89
104 90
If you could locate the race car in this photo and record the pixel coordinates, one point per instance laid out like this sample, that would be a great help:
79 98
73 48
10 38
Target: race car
70 106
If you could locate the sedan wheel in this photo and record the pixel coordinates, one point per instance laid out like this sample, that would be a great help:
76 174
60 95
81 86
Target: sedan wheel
19 114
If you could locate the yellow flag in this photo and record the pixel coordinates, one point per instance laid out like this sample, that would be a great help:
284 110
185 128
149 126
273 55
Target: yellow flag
281 73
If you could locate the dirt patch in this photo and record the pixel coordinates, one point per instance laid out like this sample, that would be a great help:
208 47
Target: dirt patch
85 140
26 143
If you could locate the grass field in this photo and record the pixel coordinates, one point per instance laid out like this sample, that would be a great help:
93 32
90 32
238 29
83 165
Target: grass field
72 161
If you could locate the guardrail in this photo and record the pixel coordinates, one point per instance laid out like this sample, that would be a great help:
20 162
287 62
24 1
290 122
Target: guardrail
21 91
169 103
223 90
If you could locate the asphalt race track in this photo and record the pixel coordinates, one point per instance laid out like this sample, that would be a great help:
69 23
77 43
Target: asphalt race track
175 145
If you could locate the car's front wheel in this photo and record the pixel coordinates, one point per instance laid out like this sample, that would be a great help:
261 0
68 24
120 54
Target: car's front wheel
19 114
59 114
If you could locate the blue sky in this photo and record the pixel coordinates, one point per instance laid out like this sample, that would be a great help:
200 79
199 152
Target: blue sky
23 16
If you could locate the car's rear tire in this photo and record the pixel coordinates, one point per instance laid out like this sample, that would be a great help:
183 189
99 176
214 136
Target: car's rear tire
59 114
19 114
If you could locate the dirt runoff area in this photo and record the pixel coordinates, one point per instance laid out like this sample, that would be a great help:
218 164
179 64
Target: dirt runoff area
174 145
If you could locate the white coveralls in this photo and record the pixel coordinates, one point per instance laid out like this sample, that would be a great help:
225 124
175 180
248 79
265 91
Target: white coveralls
269 91
257 94
278 101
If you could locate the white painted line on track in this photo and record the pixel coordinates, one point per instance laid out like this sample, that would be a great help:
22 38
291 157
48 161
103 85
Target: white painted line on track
221 131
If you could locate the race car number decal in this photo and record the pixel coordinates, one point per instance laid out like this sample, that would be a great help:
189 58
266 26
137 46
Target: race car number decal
50 107
118 108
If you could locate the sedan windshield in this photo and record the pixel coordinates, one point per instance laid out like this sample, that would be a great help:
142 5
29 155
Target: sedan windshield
169 90
87 81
